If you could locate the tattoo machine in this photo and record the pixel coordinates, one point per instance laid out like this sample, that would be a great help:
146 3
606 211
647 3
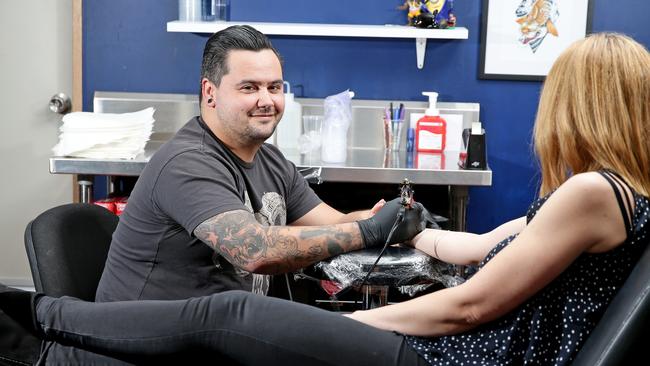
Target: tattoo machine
406 192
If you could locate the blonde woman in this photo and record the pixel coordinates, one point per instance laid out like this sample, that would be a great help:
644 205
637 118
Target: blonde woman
543 282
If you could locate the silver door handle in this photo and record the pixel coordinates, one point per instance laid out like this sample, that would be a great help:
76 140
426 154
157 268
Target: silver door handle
60 103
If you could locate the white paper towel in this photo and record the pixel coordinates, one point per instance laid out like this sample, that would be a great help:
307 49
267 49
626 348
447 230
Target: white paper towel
104 135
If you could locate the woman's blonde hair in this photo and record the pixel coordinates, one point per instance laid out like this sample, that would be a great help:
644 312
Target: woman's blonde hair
594 112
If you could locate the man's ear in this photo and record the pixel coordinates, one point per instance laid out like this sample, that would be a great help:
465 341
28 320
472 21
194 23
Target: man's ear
208 92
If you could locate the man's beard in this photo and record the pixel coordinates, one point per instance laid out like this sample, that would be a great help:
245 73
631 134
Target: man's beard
256 135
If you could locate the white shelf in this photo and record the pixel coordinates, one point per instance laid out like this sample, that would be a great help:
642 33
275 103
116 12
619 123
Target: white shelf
331 30
324 30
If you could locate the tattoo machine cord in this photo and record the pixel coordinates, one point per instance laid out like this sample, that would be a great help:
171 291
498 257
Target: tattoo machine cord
286 278
398 220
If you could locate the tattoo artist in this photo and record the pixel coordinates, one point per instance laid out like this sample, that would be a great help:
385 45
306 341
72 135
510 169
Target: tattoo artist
217 209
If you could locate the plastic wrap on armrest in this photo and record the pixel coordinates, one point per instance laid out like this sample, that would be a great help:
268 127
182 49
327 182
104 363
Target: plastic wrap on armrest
408 269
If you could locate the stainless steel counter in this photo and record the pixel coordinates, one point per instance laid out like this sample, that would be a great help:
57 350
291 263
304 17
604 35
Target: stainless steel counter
63 165
362 165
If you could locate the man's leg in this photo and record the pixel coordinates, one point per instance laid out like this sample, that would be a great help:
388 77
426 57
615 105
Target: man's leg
58 354
19 347
248 328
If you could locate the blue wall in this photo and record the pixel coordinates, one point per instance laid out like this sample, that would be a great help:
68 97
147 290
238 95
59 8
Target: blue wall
127 48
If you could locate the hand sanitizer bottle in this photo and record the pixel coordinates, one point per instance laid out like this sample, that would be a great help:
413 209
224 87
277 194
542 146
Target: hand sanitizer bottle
431 130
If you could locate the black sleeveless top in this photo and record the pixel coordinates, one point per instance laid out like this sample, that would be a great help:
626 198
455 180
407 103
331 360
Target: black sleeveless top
550 327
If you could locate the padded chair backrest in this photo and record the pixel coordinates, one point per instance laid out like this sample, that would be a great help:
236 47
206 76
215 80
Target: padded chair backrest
621 336
67 247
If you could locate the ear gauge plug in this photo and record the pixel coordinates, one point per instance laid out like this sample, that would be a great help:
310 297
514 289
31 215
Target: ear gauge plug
209 100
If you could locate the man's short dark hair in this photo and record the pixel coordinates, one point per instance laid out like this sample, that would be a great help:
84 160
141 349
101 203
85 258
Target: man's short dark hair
236 37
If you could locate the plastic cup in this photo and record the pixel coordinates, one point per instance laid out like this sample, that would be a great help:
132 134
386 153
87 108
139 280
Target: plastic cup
215 10
189 10
313 125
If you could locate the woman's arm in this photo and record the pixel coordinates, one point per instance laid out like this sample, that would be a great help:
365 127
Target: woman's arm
582 215
464 248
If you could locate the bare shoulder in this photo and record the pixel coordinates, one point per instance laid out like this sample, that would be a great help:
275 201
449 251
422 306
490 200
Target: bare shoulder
591 197
588 190
594 199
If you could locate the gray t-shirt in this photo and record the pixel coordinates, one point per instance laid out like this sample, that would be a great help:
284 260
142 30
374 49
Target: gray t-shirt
191 178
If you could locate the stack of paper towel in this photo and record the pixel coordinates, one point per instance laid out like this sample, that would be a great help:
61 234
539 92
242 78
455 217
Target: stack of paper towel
104 135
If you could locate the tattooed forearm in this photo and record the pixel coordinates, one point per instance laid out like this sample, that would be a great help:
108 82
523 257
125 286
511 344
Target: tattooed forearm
332 239
274 249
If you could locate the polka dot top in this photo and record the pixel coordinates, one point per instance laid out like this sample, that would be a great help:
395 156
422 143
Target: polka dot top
550 327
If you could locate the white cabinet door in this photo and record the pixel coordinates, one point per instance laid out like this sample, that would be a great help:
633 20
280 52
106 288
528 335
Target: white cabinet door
35 63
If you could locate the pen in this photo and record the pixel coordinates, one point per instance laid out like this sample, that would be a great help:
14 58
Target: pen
391 110
387 132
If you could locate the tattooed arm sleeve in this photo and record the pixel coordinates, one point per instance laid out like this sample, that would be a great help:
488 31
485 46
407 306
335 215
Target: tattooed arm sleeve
240 239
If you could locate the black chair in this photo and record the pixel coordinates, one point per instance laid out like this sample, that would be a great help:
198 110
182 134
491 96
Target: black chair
67 247
621 336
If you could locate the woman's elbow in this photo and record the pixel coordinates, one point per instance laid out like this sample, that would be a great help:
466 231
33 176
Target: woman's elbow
462 320
470 313
472 316
479 311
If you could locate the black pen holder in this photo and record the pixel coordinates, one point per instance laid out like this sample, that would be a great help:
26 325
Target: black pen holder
476 152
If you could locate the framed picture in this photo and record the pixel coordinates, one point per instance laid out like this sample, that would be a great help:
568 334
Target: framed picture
520 39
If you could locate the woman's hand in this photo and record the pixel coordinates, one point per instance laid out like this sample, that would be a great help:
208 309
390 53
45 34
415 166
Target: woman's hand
377 207
377 318
362 316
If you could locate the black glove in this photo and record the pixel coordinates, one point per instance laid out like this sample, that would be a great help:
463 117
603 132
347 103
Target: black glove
375 230
415 220
429 219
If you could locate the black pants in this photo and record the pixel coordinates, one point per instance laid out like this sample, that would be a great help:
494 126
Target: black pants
17 347
233 327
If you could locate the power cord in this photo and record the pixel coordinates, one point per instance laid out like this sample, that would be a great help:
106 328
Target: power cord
398 220
286 278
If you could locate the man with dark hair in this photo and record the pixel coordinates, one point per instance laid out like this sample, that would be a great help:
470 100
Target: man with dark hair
216 183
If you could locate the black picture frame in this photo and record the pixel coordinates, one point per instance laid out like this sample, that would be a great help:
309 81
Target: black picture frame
508 54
